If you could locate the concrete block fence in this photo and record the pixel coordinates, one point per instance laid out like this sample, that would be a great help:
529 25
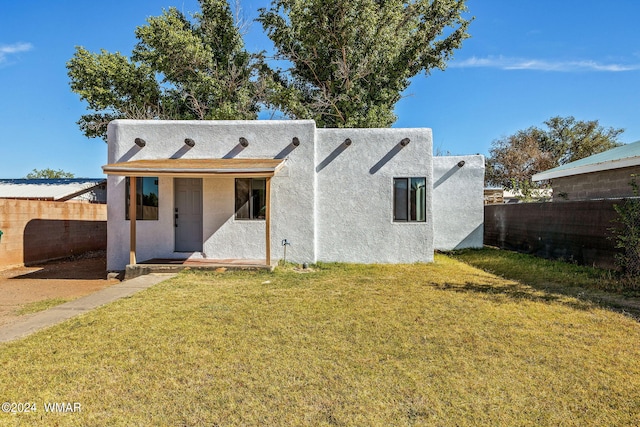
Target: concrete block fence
37 231
572 231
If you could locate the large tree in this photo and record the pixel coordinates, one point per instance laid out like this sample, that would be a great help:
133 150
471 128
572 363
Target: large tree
49 174
352 59
568 139
350 62
181 68
514 159
113 87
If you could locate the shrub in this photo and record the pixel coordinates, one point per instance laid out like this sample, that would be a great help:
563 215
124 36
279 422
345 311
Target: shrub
627 233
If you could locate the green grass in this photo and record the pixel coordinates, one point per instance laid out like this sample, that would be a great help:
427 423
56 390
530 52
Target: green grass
441 344
596 285
536 271
42 305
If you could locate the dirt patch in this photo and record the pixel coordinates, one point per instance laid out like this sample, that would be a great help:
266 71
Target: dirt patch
68 279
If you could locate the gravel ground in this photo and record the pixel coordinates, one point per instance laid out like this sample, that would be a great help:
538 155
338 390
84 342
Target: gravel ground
68 279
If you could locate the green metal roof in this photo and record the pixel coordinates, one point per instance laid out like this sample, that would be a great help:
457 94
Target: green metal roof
619 157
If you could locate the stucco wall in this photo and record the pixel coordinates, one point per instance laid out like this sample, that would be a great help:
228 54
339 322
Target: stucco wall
292 189
596 185
355 195
331 201
35 231
458 202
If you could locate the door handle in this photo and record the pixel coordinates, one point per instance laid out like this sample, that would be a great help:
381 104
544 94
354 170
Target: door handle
175 222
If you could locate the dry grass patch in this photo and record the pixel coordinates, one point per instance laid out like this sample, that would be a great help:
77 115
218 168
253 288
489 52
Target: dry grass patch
598 286
36 306
441 344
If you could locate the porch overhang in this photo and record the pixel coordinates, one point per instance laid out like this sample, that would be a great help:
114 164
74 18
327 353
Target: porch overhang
197 168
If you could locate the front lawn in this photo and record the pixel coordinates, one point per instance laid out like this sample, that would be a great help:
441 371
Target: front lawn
602 287
444 344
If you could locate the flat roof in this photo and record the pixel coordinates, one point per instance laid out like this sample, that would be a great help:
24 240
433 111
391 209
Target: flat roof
256 168
620 157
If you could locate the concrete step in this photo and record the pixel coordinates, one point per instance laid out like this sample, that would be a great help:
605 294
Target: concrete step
136 270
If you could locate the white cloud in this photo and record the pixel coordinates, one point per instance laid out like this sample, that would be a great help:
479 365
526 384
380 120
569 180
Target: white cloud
10 49
506 63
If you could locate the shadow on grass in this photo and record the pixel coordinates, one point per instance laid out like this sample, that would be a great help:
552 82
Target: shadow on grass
519 292
544 280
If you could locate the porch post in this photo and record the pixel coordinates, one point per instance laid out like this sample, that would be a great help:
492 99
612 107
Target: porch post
267 216
133 201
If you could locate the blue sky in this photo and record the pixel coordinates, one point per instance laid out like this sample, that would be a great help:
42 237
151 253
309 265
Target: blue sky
527 60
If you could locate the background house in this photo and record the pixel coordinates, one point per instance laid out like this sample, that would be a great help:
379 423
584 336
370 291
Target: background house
91 190
600 176
493 196
577 225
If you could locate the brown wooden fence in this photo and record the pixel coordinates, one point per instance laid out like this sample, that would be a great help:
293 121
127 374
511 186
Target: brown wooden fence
573 231
36 231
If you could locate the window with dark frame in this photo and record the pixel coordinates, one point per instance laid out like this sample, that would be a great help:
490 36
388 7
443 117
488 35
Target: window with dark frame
409 199
251 198
146 198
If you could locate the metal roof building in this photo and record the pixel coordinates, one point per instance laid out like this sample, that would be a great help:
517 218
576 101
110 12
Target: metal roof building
91 190
600 176
620 157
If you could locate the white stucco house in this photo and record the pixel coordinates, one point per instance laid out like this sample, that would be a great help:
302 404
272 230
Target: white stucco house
241 189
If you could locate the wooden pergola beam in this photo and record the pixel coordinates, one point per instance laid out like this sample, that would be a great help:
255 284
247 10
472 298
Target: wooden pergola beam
267 225
133 201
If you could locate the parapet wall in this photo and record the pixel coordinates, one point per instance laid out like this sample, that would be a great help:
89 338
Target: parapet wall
458 202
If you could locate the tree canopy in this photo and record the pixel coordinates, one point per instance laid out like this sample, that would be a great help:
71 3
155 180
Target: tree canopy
49 174
349 62
514 159
180 69
113 87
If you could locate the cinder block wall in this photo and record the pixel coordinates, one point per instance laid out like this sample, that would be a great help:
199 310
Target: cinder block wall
36 231
597 185
572 231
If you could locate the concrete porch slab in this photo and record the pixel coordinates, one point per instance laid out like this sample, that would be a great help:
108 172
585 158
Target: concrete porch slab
176 265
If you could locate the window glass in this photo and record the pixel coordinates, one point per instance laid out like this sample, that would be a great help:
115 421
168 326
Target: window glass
400 198
409 199
243 190
147 200
417 199
251 198
258 198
